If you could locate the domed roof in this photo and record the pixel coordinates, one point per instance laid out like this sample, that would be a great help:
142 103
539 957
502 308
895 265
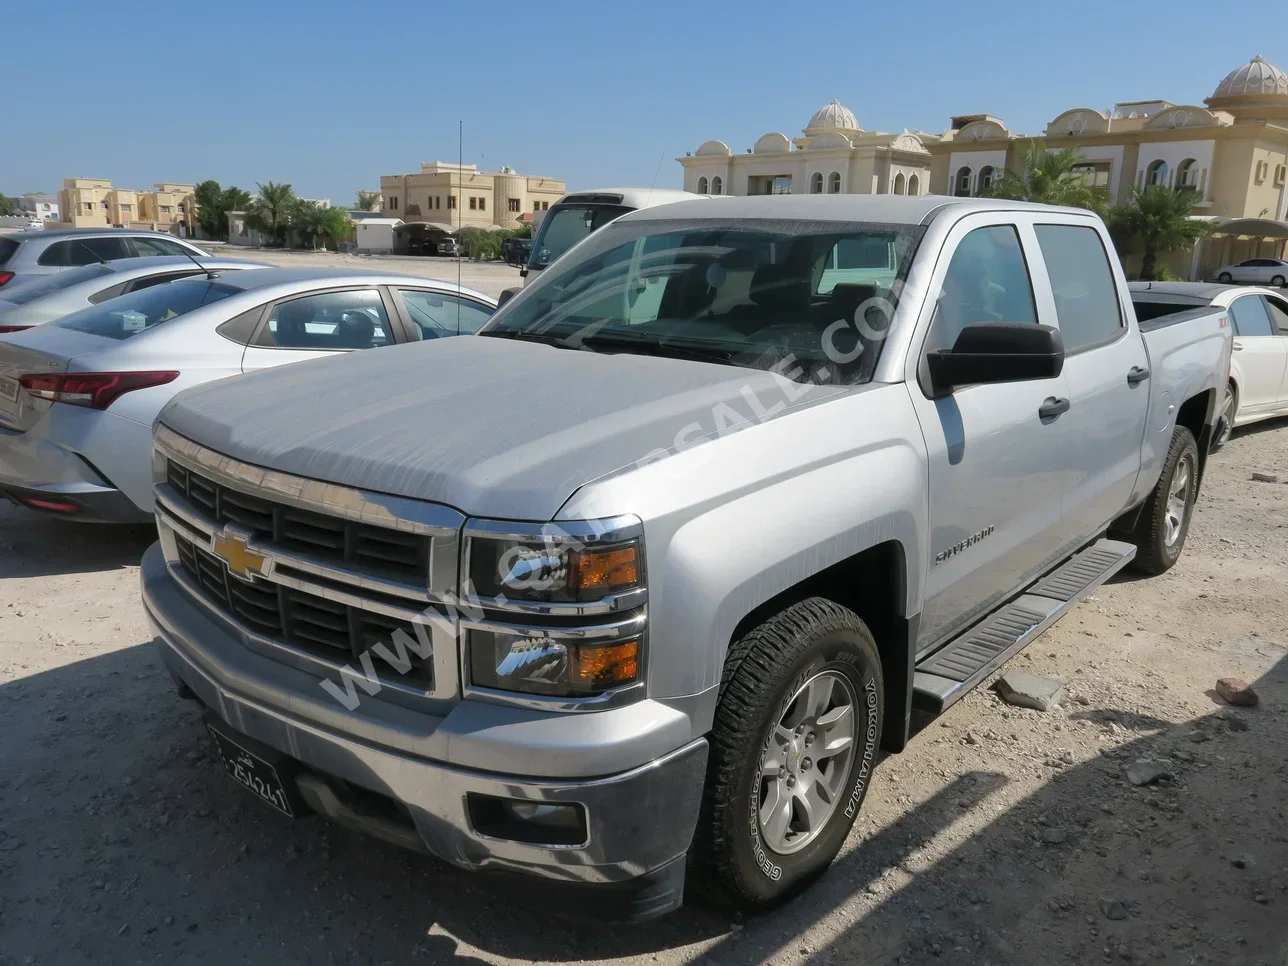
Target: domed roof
832 117
1258 76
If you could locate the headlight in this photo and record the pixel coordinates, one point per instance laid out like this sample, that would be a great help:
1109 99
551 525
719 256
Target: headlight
553 569
551 665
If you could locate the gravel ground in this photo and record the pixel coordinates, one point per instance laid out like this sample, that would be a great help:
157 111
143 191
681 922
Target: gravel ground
1001 836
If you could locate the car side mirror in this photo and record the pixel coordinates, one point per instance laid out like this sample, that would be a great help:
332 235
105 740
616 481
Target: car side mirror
505 296
997 352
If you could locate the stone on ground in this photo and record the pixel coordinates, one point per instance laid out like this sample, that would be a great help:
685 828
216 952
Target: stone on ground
1236 691
1026 690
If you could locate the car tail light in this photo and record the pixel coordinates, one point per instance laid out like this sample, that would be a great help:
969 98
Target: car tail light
93 390
55 506
5 329
5 277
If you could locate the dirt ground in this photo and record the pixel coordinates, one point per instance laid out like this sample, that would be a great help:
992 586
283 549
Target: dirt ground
486 277
1001 836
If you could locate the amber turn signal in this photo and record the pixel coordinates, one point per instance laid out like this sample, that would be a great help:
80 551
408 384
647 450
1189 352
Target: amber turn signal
603 570
604 667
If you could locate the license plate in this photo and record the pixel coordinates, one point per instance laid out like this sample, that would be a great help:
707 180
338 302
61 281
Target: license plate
252 772
9 389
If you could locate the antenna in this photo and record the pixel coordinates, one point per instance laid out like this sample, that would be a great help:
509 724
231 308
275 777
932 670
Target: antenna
210 273
660 159
460 174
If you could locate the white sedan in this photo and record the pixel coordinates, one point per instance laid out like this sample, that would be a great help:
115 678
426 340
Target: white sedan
78 396
1258 386
1257 271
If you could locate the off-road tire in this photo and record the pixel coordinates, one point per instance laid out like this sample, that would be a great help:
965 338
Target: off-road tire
1153 554
730 864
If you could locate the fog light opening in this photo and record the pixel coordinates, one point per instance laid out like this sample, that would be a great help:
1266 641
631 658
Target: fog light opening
533 823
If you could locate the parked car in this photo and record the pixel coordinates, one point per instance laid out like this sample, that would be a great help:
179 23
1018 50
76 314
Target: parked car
1259 271
1258 385
516 251
58 249
657 602
447 245
49 297
78 396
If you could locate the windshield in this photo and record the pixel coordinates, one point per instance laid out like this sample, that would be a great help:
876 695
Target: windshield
47 284
127 316
811 299
565 226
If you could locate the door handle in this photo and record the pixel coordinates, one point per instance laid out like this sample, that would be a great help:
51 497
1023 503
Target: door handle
1136 375
1238 347
1053 407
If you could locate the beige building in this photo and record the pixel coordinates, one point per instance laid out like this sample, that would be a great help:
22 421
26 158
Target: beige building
94 203
834 156
1233 150
461 195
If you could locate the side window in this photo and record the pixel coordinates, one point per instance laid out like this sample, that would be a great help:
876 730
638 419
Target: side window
1250 316
438 314
1278 310
142 283
59 255
146 247
1086 299
330 320
987 281
87 251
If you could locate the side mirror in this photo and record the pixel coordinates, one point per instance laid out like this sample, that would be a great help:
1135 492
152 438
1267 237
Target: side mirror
997 352
505 296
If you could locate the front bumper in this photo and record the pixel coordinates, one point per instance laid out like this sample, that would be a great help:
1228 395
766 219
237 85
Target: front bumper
640 821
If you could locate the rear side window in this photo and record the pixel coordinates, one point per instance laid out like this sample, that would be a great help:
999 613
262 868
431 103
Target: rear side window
329 320
1086 299
1278 314
83 251
7 247
987 281
48 284
1250 316
125 317
437 314
157 246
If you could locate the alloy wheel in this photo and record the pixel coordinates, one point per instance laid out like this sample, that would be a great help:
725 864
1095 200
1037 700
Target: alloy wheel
1178 500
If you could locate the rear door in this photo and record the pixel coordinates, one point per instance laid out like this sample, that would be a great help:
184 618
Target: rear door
994 461
74 251
322 323
1259 354
1107 370
1278 309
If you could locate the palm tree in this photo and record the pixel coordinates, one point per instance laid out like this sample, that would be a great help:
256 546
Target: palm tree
1049 178
1157 220
273 209
368 200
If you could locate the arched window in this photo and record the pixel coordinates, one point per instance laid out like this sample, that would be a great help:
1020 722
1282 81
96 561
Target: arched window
987 175
1187 174
834 183
816 183
899 183
1156 173
914 185
717 186
702 186
961 188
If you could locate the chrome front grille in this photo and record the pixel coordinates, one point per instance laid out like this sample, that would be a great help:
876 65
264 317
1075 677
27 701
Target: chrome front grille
312 572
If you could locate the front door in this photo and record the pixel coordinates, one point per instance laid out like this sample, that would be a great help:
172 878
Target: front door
994 460
311 326
1107 369
1258 354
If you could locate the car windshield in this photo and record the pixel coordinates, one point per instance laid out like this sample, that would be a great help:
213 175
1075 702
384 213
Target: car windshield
127 316
810 299
48 284
565 226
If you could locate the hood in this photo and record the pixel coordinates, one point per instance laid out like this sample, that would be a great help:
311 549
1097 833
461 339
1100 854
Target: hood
492 427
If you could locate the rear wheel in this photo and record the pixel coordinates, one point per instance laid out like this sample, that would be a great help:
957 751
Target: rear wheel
1225 423
1165 519
794 740
1225 278
1279 281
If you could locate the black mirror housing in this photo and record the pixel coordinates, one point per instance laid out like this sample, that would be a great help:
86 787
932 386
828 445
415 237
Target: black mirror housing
987 352
505 296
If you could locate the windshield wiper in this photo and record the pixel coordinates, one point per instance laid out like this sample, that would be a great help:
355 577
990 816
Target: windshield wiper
658 348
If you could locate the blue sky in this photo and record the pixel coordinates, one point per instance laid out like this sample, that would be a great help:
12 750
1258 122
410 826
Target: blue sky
328 96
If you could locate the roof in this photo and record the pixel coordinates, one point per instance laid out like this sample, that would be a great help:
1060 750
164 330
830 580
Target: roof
1258 76
1197 290
61 232
379 221
884 209
288 278
632 197
832 117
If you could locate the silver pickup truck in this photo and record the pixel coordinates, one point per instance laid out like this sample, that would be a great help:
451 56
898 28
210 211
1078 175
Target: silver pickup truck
630 591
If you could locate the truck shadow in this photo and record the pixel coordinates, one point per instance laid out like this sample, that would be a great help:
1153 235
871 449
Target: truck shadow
120 841
37 545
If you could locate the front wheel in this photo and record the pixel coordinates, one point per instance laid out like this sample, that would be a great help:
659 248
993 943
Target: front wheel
1225 423
1165 518
793 744
1279 282
1225 278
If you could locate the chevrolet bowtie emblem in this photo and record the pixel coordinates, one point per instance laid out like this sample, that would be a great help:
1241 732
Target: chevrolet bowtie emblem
231 546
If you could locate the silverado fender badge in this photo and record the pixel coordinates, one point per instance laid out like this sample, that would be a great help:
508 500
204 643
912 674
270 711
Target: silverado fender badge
232 546
957 548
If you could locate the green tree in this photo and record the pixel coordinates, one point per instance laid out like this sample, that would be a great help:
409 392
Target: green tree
368 200
317 224
5 207
272 211
1048 177
1156 221
208 196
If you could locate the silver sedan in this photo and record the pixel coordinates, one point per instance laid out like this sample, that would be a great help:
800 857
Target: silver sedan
47 297
78 396
1257 271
